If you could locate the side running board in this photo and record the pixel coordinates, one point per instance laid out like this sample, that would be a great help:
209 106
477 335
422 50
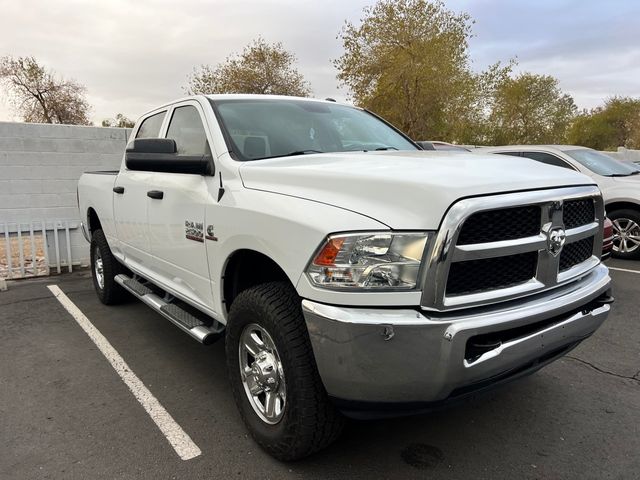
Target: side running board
187 322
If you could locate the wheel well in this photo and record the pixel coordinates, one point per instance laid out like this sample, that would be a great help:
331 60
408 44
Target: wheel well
246 269
610 207
93 220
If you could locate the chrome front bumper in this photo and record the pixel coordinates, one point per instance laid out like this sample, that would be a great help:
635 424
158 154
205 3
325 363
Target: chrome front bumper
390 356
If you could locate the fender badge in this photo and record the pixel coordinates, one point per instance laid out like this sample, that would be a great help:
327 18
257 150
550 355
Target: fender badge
210 235
193 231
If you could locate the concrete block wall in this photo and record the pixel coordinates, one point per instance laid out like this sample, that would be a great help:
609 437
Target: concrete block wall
625 154
40 165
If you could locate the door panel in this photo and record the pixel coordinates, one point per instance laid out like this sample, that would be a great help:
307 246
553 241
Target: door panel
176 233
177 221
130 213
130 203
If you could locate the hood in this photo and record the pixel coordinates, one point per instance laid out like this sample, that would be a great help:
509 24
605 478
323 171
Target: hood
631 179
404 190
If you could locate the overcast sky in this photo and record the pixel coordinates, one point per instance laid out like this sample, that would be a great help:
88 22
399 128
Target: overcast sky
135 55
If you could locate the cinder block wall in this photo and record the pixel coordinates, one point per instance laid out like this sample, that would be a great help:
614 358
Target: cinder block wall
627 154
40 165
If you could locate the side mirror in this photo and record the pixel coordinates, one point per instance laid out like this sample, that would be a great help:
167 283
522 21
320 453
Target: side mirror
159 155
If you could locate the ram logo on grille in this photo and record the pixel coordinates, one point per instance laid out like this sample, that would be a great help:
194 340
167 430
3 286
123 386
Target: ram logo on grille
555 240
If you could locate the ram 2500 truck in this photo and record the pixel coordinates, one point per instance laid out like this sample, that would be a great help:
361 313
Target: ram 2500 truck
349 272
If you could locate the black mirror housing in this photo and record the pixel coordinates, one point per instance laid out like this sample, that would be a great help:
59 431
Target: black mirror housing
159 155
152 145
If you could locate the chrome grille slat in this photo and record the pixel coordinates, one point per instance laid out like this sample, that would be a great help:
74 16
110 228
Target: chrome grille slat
548 205
580 233
478 251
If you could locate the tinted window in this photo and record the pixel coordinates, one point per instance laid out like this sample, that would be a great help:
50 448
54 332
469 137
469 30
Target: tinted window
187 130
601 163
547 158
513 154
150 127
264 128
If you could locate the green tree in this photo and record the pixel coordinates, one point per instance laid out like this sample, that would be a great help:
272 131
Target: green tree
261 68
530 109
408 60
616 124
39 96
121 121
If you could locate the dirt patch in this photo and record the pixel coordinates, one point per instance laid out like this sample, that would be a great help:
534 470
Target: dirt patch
31 268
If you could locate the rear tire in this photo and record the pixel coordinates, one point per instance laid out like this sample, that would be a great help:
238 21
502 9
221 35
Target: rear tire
305 421
626 233
104 268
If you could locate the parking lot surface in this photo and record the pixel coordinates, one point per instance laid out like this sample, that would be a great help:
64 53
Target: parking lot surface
65 412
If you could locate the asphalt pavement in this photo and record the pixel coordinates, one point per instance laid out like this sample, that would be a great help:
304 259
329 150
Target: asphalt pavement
65 413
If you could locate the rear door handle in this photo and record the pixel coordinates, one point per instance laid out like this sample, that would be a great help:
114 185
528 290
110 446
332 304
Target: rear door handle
119 190
157 194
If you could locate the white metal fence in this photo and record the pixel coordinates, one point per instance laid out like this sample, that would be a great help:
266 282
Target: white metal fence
36 248
39 170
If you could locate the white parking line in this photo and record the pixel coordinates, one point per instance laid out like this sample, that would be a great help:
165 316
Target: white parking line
624 270
177 437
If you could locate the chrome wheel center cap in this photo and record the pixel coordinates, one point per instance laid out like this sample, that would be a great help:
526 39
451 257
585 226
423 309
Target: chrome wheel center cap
265 371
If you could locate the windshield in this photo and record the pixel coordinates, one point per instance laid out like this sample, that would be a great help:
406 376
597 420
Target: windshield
266 128
602 164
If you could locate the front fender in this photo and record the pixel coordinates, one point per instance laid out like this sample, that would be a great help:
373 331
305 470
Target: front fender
286 229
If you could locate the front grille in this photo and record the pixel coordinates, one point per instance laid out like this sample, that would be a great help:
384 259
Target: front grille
574 253
502 224
578 212
500 247
475 276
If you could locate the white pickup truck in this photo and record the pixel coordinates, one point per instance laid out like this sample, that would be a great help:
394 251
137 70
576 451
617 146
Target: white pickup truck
351 273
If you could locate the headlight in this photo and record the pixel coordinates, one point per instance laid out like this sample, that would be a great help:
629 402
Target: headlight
369 261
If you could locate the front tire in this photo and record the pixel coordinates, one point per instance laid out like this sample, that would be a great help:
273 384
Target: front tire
104 268
626 233
273 374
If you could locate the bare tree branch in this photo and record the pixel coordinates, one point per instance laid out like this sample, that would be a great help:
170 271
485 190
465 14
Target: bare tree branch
39 96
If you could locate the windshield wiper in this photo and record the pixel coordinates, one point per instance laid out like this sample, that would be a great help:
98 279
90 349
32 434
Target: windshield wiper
386 148
290 154
622 174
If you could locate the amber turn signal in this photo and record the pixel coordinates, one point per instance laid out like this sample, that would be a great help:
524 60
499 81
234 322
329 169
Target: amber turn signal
327 256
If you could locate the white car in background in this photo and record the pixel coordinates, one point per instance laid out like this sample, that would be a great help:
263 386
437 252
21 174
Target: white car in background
618 181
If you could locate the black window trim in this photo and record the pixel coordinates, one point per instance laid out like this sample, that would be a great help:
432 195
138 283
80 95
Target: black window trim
514 153
569 165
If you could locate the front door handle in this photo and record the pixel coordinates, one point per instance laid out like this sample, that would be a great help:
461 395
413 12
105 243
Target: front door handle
157 194
119 190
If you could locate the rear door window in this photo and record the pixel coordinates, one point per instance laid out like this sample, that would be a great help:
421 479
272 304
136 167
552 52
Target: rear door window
150 127
187 130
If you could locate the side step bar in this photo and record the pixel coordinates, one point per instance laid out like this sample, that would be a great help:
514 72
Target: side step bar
181 318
